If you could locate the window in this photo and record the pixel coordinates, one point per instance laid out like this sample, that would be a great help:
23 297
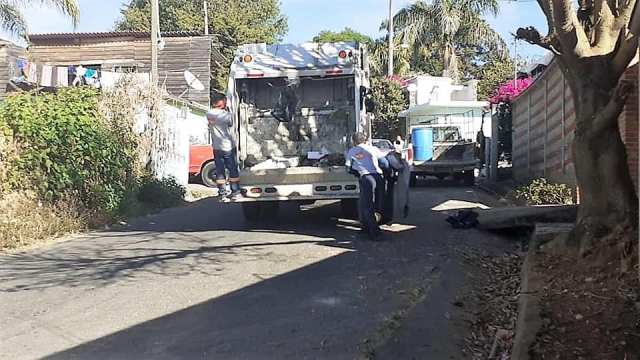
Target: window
446 134
125 69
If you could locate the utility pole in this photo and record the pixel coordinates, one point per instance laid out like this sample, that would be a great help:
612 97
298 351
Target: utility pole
390 71
155 25
515 62
206 17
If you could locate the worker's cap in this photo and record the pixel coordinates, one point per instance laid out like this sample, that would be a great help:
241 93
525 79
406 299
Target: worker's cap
359 138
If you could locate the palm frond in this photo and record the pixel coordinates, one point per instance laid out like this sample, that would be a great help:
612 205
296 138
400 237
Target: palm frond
12 21
68 8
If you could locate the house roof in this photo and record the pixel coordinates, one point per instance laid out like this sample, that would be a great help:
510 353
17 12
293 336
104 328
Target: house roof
111 34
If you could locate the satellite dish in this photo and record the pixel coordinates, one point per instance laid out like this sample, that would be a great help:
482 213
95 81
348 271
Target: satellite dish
192 81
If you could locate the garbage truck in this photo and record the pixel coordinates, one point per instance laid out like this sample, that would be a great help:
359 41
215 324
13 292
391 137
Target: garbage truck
294 109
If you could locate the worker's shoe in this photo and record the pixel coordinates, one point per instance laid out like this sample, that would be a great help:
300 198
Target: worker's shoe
235 195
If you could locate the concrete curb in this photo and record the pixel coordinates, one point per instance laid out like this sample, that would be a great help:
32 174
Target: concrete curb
503 192
529 321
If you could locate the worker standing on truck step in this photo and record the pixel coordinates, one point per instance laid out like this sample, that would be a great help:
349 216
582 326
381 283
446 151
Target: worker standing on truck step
366 162
225 153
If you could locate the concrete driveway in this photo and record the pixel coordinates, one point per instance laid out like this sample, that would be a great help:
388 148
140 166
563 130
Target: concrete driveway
199 282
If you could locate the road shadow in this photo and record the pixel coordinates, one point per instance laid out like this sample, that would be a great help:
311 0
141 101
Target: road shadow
340 306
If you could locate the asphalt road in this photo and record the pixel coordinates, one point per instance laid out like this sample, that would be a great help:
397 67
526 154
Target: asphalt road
199 282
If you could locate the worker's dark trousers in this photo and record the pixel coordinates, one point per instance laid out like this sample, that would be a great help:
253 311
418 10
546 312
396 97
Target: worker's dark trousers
371 197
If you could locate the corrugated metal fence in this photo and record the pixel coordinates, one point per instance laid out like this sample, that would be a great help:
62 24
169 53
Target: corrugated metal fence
544 124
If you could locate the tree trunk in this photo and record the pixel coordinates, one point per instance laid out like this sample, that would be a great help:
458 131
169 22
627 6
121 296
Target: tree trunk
607 192
446 61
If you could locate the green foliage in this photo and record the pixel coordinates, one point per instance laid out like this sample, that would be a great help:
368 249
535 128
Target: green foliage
448 26
66 146
540 192
160 194
505 130
346 35
231 23
390 99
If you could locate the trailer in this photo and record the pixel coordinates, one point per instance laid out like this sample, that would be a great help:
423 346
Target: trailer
295 108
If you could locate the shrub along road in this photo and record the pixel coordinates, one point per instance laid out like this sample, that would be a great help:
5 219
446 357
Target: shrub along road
199 282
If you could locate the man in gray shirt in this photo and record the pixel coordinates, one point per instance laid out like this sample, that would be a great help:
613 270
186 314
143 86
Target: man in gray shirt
225 153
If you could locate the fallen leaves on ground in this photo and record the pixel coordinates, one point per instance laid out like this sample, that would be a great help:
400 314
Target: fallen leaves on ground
590 306
492 302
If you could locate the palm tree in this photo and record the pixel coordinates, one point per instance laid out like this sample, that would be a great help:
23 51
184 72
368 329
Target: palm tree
12 19
444 25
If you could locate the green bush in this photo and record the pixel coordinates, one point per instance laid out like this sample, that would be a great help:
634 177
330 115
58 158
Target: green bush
65 146
161 194
540 192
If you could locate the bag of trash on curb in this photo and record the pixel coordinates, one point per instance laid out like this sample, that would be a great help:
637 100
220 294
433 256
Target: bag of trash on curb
464 219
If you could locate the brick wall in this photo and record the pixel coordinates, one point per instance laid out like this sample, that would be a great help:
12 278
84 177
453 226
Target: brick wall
544 123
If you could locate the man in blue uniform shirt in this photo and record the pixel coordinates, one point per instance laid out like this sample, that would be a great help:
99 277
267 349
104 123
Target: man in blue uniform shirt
367 162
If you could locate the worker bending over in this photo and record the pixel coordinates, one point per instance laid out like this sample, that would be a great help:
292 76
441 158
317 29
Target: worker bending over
366 162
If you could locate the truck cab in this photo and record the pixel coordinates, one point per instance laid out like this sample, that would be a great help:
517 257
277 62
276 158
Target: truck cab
295 108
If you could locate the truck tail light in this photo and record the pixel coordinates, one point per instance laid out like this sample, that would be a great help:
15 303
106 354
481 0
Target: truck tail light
333 72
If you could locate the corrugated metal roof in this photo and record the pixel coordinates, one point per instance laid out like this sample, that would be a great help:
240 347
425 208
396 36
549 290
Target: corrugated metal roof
110 34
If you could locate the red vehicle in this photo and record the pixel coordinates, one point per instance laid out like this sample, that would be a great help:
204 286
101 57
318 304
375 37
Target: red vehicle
201 164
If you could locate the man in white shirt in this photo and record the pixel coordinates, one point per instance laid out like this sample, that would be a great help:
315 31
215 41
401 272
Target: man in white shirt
225 153
365 161
398 145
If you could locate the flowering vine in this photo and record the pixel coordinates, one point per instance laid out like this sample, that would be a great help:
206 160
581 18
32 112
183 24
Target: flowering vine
397 79
508 91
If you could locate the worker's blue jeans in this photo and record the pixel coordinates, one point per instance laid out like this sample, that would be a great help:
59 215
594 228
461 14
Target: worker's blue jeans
227 161
371 197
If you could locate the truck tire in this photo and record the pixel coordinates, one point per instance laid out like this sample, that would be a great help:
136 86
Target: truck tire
458 176
251 211
349 208
469 178
208 174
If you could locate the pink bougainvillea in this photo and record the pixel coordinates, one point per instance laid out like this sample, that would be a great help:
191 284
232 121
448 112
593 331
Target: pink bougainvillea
509 91
397 79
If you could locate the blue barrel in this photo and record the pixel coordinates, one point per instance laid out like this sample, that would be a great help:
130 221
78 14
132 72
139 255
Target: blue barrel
422 140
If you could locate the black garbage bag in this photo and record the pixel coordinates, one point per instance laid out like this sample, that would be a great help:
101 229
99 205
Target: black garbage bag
285 110
464 219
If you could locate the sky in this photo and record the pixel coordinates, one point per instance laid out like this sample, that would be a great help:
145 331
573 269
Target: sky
306 18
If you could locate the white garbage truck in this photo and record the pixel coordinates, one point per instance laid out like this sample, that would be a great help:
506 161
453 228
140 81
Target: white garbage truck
294 109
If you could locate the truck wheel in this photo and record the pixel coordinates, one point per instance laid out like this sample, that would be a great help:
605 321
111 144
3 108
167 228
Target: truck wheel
469 178
208 174
251 211
349 208
413 180
458 176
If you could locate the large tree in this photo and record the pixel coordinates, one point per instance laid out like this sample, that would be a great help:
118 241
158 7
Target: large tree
594 48
12 19
443 25
231 23
345 35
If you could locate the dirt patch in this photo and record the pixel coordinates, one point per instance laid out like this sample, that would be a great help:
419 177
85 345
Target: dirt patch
492 303
590 305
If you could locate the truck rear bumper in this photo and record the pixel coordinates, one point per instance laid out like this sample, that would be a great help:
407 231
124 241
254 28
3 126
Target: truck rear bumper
299 192
429 167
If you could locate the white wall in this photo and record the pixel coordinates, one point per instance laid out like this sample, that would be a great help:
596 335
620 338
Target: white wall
433 89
